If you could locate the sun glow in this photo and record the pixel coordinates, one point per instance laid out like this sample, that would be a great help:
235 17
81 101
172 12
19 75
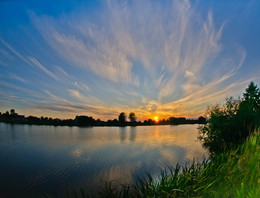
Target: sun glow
156 119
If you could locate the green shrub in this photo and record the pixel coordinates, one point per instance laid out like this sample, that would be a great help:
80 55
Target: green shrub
231 123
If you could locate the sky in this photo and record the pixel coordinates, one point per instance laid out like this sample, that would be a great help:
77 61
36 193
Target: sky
99 58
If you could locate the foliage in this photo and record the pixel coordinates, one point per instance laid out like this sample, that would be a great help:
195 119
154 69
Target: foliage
249 111
84 121
230 124
219 133
176 121
122 118
132 117
202 120
232 174
240 171
252 96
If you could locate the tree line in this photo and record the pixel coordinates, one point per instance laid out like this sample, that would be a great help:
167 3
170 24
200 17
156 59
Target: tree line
13 117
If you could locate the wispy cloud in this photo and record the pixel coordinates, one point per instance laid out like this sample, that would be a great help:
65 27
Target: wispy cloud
59 105
104 59
41 67
82 86
75 94
14 51
123 38
13 76
63 71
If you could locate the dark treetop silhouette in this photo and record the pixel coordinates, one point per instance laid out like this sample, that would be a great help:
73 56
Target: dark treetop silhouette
14 118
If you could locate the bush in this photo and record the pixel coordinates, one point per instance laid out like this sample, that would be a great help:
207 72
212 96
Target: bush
230 124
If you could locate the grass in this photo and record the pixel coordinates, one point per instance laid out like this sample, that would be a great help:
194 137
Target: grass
233 174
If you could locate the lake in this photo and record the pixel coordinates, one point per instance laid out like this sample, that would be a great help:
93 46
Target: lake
46 159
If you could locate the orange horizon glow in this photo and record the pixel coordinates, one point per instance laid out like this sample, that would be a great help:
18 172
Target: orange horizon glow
156 119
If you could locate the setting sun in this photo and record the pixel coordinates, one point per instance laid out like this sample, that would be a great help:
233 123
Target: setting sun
156 119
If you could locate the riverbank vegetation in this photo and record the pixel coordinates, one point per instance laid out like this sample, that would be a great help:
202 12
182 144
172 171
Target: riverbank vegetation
235 173
231 123
232 137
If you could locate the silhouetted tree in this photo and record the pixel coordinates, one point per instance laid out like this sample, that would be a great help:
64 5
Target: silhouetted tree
122 118
249 109
221 131
252 92
230 124
149 122
252 97
12 111
85 121
180 120
33 120
67 122
5 117
132 117
112 122
202 120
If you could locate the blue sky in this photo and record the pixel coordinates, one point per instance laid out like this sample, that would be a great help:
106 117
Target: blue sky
99 58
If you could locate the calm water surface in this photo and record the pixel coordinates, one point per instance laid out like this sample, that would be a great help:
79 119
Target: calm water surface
45 159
